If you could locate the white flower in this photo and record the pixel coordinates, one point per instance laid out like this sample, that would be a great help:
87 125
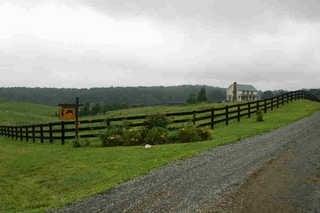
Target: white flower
147 146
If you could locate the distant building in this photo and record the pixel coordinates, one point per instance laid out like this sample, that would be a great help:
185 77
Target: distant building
241 92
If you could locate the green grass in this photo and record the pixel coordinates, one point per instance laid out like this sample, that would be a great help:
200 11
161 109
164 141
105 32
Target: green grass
159 109
23 113
28 113
35 177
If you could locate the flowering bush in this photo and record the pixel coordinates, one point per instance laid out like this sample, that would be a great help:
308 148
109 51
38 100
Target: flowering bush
156 135
132 137
204 133
112 136
188 134
157 120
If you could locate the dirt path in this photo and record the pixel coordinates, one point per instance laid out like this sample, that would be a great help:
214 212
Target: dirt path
217 180
289 183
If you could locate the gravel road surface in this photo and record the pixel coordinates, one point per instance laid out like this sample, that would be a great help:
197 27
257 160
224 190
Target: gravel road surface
211 181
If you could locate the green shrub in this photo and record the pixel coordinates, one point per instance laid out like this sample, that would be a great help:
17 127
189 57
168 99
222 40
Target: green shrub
156 135
259 117
189 134
132 137
204 133
173 136
76 144
112 136
157 120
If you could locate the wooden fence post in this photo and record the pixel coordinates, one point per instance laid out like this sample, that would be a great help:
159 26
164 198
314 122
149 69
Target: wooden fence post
194 117
249 110
50 133
41 134
212 118
227 115
238 112
12 132
17 135
27 133
9 133
62 132
21 133
277 101
33 134
272 102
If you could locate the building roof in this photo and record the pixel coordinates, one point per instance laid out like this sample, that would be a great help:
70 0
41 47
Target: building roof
245 87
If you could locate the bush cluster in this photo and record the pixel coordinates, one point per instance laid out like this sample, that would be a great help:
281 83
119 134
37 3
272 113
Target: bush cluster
155 132
259 116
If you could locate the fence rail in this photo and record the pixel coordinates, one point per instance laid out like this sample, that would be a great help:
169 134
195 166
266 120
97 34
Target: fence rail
65 130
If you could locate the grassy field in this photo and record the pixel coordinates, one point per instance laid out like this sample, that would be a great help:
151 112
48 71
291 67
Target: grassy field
159 109
25 113
35 177
29 113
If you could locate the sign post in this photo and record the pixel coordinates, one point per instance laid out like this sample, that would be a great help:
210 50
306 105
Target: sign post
70 112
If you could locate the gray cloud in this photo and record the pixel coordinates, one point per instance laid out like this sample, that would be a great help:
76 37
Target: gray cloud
271 44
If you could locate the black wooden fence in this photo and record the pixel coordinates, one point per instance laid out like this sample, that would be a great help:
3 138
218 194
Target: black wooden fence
65 130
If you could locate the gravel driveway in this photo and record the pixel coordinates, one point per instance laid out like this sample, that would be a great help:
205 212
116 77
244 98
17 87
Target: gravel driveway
199 183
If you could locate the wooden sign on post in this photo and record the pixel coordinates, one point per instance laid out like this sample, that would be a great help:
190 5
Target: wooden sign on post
67 112
70 112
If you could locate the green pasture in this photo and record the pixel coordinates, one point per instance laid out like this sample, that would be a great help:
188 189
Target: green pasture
35 177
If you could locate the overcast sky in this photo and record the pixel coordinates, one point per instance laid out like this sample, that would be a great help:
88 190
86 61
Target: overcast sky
272 44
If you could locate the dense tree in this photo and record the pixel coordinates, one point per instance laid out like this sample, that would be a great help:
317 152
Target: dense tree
192 99
96 109
202 95
315 92
267 94
85 110
113 96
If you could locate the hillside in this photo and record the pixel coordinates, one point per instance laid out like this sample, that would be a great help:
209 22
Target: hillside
26 113
112 96
22 112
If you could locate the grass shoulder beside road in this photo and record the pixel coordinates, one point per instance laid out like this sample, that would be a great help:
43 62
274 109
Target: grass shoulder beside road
35 177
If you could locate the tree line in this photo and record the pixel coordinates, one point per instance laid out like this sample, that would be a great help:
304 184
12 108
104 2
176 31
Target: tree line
112 96
101 100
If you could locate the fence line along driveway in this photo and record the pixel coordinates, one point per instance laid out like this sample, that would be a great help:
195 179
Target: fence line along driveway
65 130
195 184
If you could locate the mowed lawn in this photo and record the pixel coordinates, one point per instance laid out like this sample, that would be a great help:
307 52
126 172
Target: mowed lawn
35 177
